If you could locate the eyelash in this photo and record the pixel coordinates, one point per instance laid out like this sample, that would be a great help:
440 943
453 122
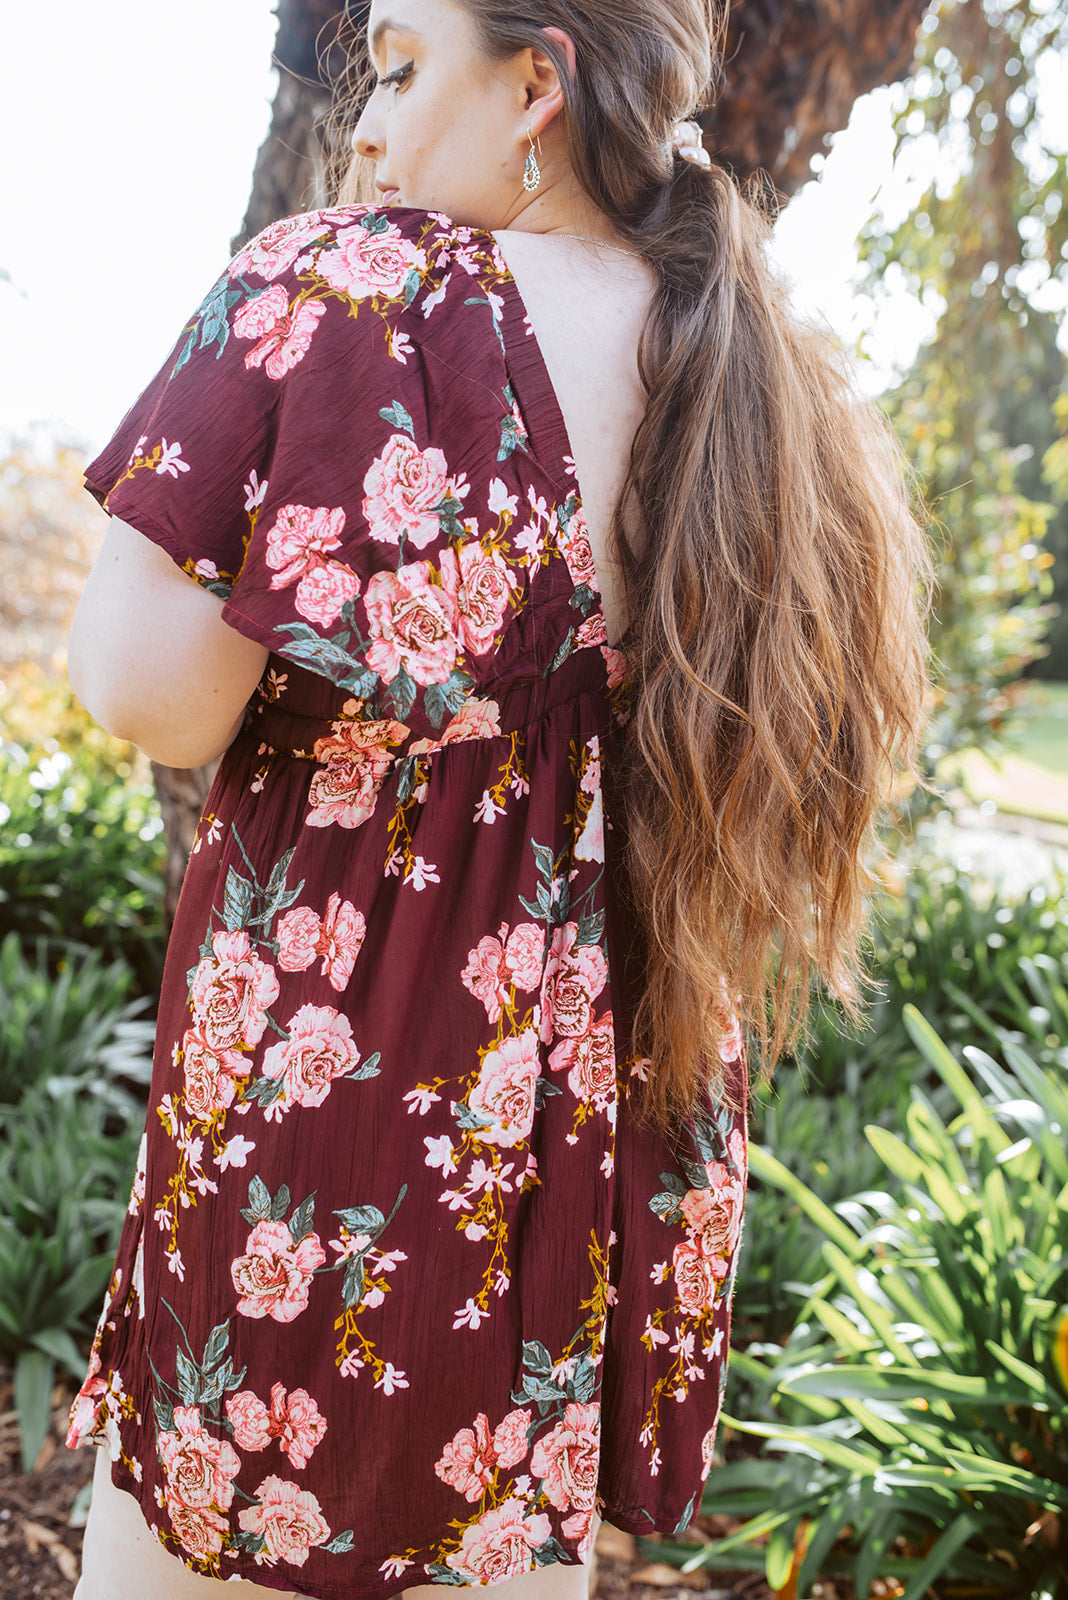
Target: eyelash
397 77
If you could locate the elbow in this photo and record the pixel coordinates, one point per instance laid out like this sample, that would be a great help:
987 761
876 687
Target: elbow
170 741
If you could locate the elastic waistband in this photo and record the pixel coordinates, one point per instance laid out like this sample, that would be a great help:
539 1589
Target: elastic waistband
348 735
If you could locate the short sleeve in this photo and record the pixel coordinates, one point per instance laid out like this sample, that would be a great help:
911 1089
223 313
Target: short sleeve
264 410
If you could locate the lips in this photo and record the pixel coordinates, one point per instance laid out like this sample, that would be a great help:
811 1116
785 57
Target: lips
389 195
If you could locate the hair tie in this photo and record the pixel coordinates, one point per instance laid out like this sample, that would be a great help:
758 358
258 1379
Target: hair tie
686 142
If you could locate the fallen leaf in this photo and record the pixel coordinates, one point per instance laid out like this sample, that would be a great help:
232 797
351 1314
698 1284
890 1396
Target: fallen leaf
614 1544
36 1535
663 1576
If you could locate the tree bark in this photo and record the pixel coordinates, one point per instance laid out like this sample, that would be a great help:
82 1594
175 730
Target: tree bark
793 70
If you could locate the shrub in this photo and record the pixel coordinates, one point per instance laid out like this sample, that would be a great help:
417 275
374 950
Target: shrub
74 1051
932 1353
81 855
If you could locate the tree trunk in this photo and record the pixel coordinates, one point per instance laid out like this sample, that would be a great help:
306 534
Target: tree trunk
794 69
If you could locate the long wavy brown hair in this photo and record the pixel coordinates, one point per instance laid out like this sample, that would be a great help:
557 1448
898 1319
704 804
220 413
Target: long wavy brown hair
774 572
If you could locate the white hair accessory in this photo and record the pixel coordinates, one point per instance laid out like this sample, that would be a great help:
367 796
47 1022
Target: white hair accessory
686 142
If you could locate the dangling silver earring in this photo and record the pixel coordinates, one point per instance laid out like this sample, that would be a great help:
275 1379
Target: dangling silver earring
531 170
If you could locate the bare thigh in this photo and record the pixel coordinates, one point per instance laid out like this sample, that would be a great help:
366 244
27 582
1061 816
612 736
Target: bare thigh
122 1561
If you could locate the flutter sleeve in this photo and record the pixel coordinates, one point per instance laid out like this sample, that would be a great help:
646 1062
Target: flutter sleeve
245 457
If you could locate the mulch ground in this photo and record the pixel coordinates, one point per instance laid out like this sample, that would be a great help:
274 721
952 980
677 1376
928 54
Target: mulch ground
40 1545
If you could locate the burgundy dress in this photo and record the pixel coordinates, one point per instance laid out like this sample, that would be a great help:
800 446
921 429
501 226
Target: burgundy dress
404 1293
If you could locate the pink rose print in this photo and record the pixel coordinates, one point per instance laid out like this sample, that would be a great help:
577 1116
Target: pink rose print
323 591
589 846
338 938
250 1419
288 1519
591 633
500 1544
209 1075
476 719
579 1528
695 1278
505 1089
510 1438
715 1215
487 976
274 1275
574 542
574 977
198 1531
365 263
285 335
567 1460
318 1050
615 665
738 1153
298 935
468 1462
402 490
591 777
262 313
731 1044
413 625
278 246
481 586
590 1063
200 1470
354 760
296 1422
231 991
524 956
299 540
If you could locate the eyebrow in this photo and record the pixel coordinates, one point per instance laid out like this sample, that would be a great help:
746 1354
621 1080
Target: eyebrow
387 25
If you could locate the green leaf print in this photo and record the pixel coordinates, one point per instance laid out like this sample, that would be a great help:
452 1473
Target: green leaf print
536 1357
280 1203
164 1415
329 657
187 351
543 1089
687 1516
583 598
672 1181
237 901
353 1283
302 1222
398 417
406 772
259 1202
448 517
583 1381
561 655
374 222
368 1068
449 696
666 1206
511 438
549 1553
218 1340
402 693
440 1573
188 1374
340 1545
590 930
361 1219
411 286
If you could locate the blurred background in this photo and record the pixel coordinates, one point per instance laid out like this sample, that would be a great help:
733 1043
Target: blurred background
901 1374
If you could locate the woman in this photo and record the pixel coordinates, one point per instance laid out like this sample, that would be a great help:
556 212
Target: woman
429 1261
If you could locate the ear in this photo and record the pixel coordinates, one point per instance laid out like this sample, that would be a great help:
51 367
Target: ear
544 91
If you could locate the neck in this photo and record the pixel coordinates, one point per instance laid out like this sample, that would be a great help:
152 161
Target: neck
561 206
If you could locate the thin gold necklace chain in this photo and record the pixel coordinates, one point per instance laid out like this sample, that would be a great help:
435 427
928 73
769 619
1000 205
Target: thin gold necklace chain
604 242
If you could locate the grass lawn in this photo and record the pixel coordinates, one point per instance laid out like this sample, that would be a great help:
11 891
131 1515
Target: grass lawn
1033 778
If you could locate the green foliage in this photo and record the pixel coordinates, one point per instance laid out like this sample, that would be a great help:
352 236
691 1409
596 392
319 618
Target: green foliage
982 239
921 1404
981 970
73 1051
81 856
75 1030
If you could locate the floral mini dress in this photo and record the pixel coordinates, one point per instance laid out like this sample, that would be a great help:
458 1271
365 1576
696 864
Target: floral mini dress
405 1294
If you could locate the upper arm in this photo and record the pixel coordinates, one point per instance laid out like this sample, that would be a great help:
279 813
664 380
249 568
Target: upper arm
151 657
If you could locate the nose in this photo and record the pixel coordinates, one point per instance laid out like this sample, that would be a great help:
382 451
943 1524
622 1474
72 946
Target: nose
367 140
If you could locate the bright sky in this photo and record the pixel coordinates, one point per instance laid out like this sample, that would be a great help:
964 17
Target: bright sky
129 144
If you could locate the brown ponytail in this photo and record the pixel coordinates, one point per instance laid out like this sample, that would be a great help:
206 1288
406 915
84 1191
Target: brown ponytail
772 570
